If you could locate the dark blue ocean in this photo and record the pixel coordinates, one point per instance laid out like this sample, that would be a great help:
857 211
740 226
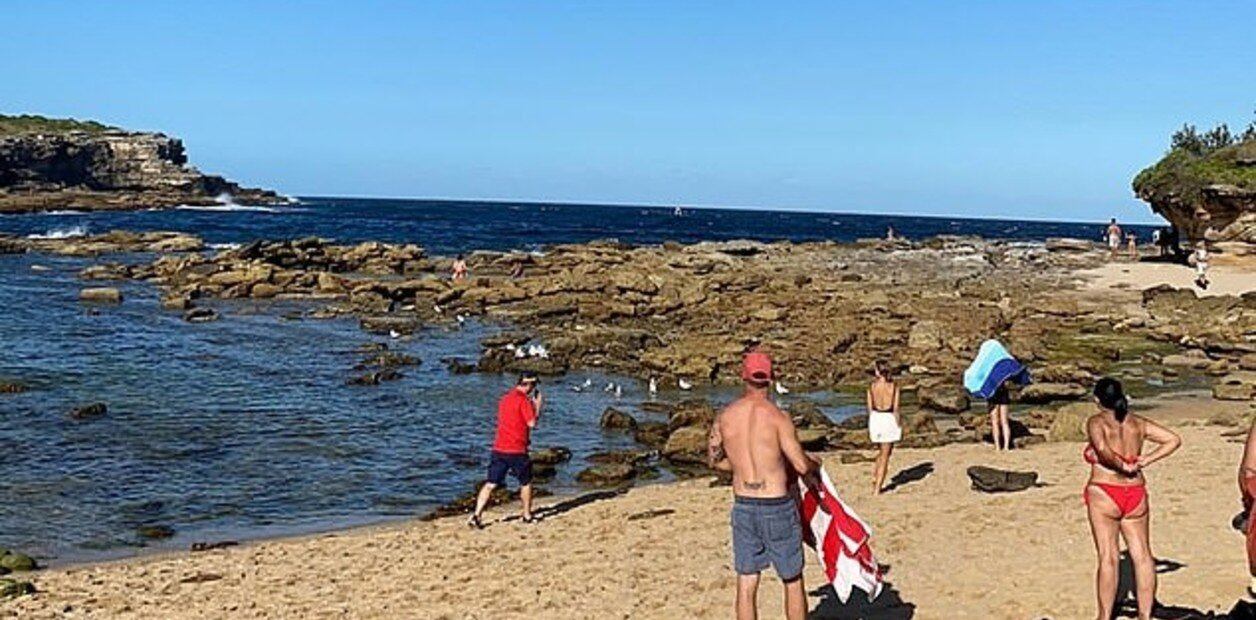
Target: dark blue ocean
245 427
448 227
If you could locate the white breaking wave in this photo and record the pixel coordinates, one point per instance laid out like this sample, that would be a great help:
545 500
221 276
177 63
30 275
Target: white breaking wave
229 207
61 233
224 246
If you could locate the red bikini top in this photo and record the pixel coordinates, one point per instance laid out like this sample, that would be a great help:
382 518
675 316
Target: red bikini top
1089 455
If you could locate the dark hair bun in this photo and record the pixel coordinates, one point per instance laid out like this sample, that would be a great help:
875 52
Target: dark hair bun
1112 397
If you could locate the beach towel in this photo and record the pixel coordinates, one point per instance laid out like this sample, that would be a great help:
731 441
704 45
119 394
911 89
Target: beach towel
992 366
840 540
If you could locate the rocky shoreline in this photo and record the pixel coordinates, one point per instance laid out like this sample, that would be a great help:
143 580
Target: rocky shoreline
682 314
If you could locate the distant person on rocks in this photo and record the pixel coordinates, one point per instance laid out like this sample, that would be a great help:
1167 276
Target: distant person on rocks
1116 494
889 233
516 270
517 413
1114 239
758 443
1131 241
1201 264
1175 243
460 268
1247 491
884 424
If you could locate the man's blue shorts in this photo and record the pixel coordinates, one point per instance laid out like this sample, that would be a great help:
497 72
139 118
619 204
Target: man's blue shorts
519 466
767 532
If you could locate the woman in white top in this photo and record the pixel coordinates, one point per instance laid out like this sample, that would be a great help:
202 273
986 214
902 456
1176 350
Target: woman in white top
884 425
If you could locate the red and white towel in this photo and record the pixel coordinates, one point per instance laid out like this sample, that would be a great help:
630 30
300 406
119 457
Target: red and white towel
843 548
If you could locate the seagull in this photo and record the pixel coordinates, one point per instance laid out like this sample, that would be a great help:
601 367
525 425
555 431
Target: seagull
610 387
438 309
588 383
510 346
577 388
394 334
461 319
619 391
654 386
684 385
537 350
519 354
781 389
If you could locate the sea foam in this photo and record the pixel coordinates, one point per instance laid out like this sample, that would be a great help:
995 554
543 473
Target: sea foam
61 233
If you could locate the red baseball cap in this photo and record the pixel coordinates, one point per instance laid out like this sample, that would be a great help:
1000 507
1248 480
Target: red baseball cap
756 366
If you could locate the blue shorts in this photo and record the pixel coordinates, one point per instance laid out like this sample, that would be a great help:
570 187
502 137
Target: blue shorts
519 466
767 531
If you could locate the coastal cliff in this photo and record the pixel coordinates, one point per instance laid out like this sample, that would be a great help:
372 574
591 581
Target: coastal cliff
1203 183
64 164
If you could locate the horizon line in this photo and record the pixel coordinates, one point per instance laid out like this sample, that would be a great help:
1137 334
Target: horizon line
712 207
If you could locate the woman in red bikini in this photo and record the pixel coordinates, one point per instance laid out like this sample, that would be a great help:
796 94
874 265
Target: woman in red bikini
1116 495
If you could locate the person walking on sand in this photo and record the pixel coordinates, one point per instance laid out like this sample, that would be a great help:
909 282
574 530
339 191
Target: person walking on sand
459 268
1114 239
757 442
884 423
517 413
1247 491
1131 240
1116 493
1201 264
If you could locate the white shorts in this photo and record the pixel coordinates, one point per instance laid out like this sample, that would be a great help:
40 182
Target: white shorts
882 428
1114 242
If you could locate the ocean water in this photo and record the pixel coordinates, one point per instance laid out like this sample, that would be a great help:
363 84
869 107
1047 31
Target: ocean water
245 427
446 227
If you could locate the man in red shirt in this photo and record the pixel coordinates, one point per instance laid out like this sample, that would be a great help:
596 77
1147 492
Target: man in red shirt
517 413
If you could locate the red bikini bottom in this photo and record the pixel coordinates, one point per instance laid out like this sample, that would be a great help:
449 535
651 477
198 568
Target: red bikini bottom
1127 497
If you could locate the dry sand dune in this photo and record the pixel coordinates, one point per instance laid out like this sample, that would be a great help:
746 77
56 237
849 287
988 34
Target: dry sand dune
953 553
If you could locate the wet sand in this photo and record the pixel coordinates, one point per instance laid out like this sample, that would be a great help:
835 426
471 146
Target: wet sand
952 552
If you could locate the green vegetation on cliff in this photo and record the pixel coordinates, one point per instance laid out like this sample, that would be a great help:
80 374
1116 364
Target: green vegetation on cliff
1196 161
32 123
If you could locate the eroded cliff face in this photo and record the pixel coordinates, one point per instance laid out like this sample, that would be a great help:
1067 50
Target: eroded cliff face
1211 194
107 170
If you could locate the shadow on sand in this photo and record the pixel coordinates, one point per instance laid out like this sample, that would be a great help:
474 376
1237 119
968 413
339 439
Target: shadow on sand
584 499
915 473
888 606
1128 608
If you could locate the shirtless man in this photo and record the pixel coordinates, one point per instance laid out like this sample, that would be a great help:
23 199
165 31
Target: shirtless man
460 268
1114 239
757 442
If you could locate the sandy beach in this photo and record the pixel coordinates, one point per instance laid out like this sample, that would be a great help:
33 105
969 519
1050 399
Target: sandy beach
663 551
1231 276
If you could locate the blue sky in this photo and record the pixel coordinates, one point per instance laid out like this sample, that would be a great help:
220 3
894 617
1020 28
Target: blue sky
1040 110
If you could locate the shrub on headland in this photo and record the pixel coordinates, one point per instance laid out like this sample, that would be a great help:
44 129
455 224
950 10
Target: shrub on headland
33 123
